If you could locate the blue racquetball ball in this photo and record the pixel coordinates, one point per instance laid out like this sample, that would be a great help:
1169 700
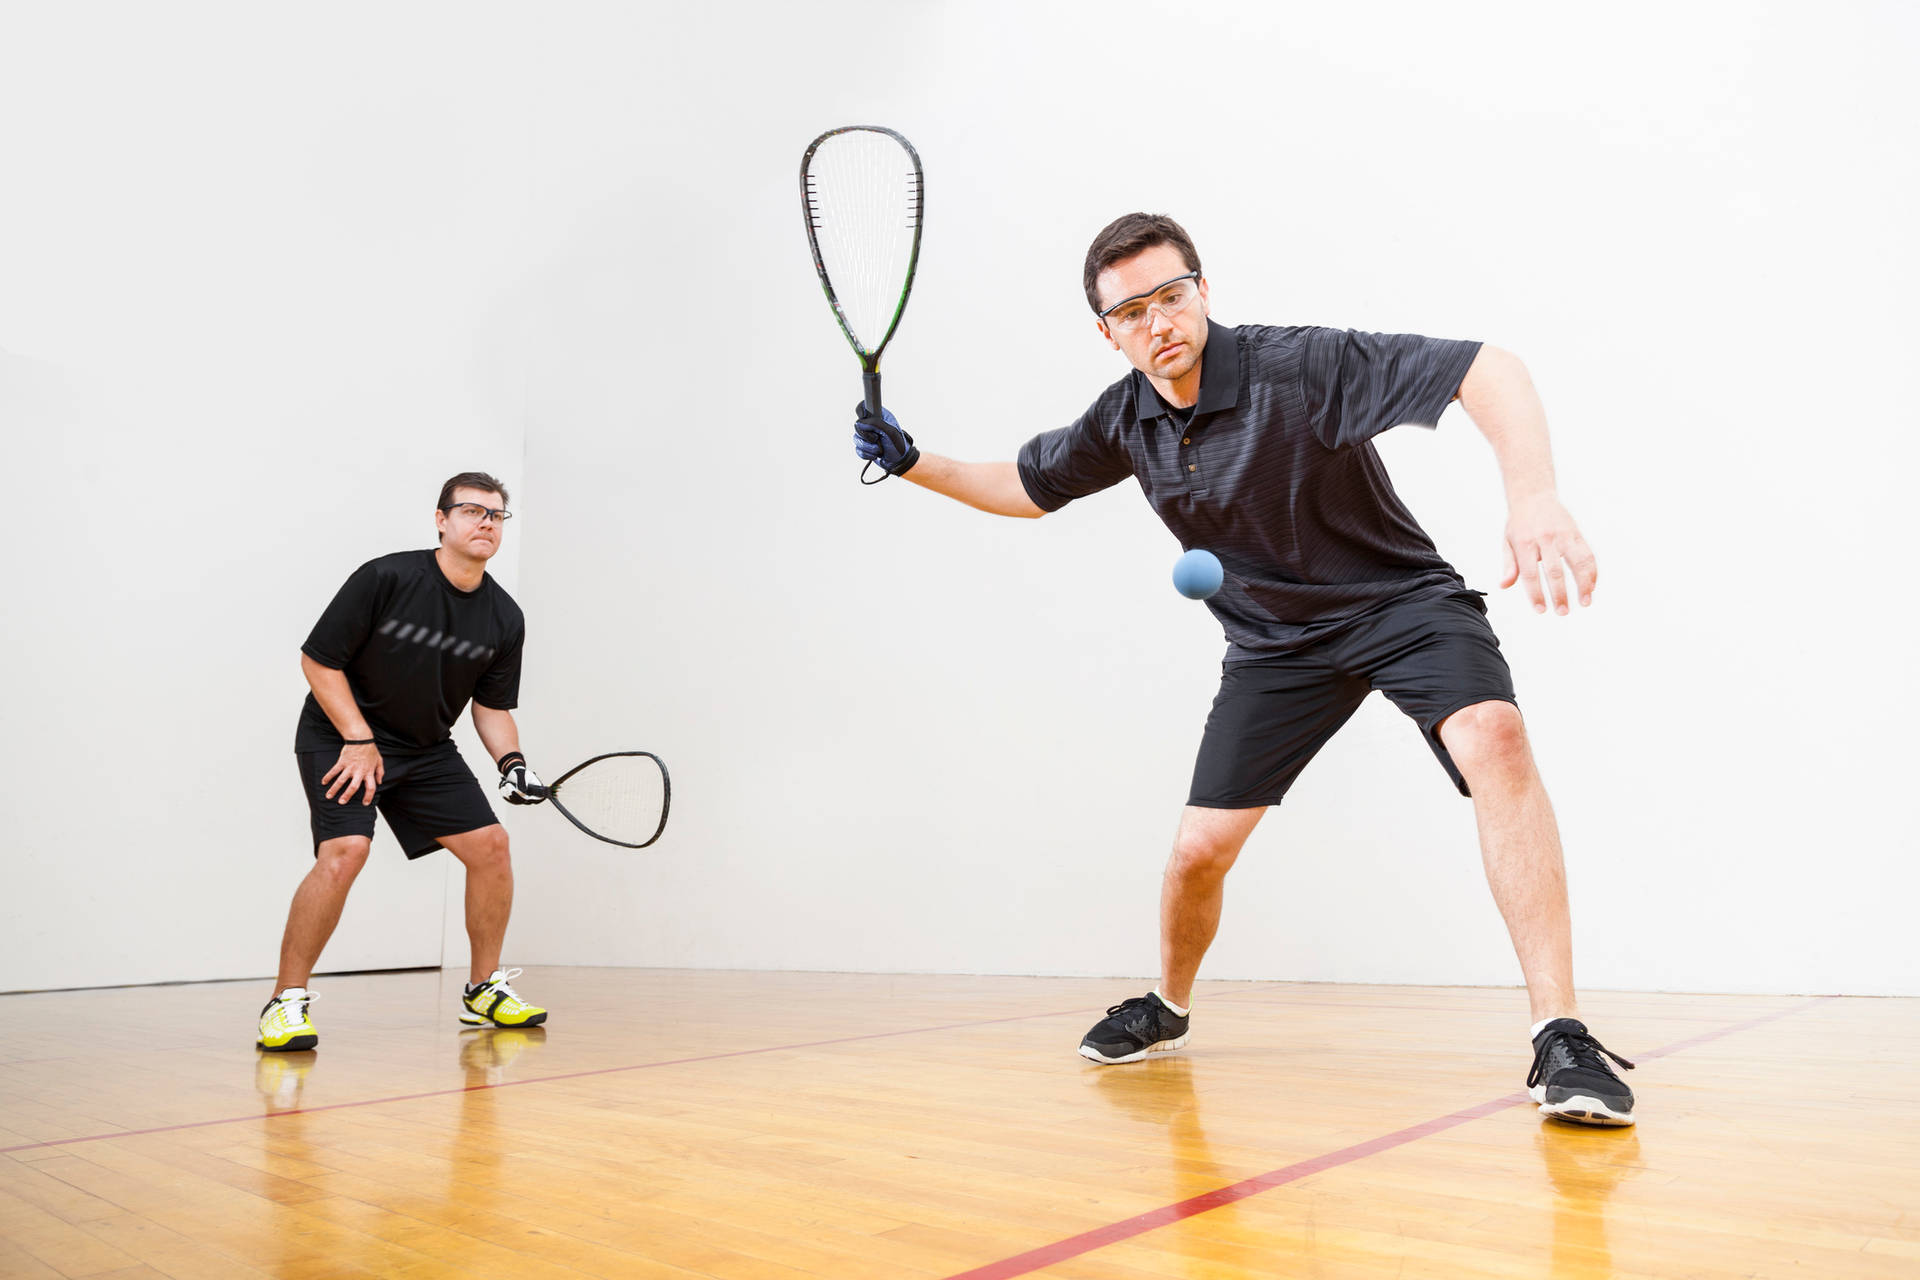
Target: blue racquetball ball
1197 574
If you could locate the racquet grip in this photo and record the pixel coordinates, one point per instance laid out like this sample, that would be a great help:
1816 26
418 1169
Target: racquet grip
871 381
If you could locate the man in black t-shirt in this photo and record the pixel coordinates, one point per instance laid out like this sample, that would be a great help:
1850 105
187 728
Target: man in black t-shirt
403 647
1254 443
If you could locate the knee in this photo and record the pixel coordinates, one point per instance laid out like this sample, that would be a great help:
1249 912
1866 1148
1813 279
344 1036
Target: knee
1201 855
340 860
489 851
1487 738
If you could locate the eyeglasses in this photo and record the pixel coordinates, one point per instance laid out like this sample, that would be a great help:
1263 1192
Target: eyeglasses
475 512
1169 299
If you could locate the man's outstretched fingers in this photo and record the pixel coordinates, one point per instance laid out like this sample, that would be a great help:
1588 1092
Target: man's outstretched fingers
1528 555
1586 568
1556 578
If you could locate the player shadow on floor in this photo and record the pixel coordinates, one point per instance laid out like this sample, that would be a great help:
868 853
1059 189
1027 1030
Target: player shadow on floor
1585 1165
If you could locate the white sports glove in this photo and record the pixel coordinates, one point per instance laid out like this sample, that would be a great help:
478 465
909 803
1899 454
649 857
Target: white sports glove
519 784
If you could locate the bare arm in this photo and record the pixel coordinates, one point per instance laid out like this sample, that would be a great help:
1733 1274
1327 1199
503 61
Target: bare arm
987 486
1498 395
498 733
357 766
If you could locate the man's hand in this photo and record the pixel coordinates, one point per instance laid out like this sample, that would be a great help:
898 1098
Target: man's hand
519 784
881 440
357 767
1541 532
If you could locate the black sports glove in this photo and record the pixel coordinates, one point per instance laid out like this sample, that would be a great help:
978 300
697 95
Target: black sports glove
881 440
518 784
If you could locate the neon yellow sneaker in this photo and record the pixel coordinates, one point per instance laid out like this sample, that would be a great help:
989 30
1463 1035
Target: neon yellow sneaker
495 1004
285 1026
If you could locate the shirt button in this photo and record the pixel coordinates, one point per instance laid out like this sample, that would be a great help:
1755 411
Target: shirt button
1190 466
1186 439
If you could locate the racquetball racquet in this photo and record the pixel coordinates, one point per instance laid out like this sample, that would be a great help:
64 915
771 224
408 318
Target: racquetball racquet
864 198
621 797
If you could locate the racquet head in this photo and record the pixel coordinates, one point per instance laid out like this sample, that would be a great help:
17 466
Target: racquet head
621 798
861 191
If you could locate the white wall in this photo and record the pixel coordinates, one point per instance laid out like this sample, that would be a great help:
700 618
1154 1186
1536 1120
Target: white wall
248 325
906 736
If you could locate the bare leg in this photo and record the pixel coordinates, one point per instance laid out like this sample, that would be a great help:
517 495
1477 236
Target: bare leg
1520 845
489 893
1194 889
316 908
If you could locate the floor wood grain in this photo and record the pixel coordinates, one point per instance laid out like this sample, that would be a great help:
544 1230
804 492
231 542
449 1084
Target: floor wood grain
746 1125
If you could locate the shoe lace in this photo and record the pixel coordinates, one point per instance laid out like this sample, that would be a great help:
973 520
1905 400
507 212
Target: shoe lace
288 1012
1580 1046
506 977
1143 1004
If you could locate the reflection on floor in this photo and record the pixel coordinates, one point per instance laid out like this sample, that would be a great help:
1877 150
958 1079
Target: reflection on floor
846 1126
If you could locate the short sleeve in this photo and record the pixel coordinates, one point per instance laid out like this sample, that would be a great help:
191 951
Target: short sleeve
1058 466
499 685
348 619
1360 384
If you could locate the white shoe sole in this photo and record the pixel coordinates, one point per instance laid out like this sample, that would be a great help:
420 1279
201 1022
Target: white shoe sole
1092 1054
1580 1109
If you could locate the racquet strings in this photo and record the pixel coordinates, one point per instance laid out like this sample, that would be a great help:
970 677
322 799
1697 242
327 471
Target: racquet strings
863 195
618 798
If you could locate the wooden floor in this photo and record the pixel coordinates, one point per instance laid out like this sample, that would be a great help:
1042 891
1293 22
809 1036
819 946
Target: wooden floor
747 1125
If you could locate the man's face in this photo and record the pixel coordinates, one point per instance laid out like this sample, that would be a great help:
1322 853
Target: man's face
464 532
1163 346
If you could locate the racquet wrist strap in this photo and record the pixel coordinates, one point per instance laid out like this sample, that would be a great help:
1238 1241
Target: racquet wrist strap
509 760
357 742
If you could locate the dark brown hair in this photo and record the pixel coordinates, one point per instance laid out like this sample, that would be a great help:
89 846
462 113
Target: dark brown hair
470 480
1130 234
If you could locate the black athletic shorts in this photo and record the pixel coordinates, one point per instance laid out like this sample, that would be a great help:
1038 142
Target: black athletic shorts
423 797
1431 656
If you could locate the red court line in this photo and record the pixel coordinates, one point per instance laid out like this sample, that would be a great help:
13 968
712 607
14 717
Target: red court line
643 1066
1113 1233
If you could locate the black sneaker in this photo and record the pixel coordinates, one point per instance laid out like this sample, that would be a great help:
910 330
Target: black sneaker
1571 1079
1133 1029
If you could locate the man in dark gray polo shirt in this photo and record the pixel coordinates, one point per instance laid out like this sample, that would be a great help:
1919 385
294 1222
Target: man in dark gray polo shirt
1254 443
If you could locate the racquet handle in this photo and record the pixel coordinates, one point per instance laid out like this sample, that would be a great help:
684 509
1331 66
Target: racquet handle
871 381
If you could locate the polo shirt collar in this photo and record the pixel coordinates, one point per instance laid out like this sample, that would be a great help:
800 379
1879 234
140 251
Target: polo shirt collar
1219 377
